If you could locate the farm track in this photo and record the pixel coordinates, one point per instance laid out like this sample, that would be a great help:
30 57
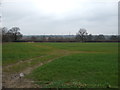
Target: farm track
13 80
21 62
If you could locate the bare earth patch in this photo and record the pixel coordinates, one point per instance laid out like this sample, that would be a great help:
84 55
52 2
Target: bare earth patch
14 81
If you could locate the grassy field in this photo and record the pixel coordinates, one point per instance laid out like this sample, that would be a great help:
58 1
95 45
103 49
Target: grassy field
72 65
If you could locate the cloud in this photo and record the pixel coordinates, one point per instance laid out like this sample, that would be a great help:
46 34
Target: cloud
96 16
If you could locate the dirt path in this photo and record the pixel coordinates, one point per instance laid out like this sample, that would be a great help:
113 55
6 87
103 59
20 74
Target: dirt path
22 61
14 81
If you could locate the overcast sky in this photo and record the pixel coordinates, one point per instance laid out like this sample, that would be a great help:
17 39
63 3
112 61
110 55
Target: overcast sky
36 17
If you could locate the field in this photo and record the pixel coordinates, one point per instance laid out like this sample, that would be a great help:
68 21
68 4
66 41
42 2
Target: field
60 65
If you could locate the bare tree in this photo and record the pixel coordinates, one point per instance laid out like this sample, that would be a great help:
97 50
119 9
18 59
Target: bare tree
81 35
4 31
89 37
14 33
100 37
114 38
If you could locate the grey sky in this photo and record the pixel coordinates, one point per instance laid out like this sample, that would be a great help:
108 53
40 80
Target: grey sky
61 16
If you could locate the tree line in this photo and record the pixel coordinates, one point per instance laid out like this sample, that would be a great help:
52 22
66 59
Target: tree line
83 36
13 34
10 35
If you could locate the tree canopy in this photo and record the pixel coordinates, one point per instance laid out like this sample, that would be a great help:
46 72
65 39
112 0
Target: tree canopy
12 34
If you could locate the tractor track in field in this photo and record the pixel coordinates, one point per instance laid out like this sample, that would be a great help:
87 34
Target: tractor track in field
14 81
22 61
28 60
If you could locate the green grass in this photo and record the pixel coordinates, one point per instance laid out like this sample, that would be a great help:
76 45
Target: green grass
98 69
77 64
14 52
103 47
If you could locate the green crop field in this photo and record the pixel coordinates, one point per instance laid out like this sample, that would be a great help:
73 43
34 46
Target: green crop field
64 65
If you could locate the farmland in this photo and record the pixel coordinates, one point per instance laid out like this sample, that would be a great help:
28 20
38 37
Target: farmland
61 65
